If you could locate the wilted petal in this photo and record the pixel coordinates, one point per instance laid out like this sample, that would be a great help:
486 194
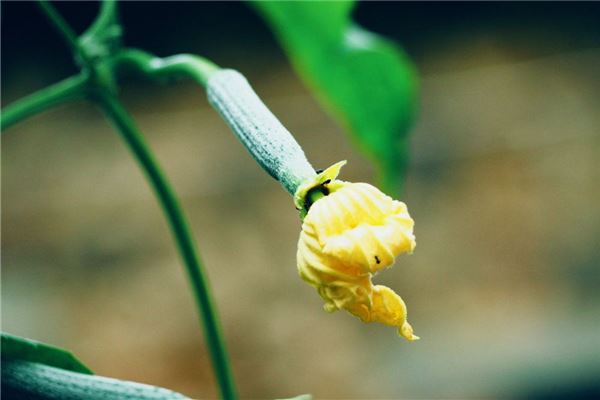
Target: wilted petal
349 234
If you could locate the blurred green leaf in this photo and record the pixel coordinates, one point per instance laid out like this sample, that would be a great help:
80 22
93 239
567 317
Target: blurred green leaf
35 381
17 348
37 371
366 80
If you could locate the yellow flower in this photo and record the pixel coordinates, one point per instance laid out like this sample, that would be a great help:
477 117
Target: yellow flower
349 233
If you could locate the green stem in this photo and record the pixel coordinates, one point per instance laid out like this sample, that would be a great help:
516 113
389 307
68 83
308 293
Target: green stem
106 17
65 30
183 237
96 81
166 69
103 38
70 89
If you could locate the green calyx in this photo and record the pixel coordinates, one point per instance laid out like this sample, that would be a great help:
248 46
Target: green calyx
317 187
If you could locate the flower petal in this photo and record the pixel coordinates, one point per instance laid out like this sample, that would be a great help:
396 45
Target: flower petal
348 235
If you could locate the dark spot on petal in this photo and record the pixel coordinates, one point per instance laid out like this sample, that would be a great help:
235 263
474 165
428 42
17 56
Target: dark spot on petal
327 181
377 260
318 171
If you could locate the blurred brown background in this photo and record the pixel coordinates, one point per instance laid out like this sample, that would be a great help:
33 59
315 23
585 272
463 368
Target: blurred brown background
504 286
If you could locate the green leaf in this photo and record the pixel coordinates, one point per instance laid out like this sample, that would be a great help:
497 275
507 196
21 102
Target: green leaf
34 370
366 80
17 348
35 381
